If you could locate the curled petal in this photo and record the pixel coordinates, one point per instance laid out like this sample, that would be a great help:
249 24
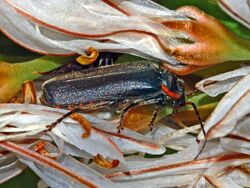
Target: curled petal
102 162
33 37
65 173
9 167
221 83
103 22
232 108
187 40
211 42
88 59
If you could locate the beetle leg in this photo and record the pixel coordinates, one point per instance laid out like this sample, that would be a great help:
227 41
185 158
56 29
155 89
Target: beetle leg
154 116
124 111
136 103
77 117
106 59
89 58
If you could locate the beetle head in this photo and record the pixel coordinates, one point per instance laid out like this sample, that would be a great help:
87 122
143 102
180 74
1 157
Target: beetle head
173 88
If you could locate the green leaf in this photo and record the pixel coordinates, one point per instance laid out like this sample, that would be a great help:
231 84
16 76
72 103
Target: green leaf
199 100
13 75
27 179
12 53
168 151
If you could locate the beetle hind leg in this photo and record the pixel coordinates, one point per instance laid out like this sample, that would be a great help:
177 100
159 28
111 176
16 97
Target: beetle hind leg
77 117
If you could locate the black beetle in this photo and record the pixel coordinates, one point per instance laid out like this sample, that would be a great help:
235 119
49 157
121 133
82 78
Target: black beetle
116 84
119 86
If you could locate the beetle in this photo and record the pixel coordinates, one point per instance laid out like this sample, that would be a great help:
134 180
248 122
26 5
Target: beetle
119 86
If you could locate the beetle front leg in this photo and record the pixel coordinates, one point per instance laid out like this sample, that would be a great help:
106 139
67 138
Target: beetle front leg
154 116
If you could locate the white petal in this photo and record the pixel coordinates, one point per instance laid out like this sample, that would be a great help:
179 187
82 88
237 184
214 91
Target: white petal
10 167
240 178
221 83
239 10
43 40
57 179
128 140
232 108
236 145
95 21
95 144
243 129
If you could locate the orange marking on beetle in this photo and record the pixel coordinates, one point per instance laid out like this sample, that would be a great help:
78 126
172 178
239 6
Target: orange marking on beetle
170 93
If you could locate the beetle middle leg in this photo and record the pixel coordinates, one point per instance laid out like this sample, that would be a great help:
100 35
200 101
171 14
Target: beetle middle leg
138 103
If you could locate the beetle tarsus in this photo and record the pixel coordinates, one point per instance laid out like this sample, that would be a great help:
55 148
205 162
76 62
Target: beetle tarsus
152 121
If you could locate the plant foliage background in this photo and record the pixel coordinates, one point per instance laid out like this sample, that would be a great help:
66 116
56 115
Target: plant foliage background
16 54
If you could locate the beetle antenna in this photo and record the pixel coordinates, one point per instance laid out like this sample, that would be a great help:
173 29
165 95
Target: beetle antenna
202 128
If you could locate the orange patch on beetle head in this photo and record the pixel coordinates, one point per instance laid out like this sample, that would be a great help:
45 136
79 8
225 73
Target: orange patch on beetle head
171 94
